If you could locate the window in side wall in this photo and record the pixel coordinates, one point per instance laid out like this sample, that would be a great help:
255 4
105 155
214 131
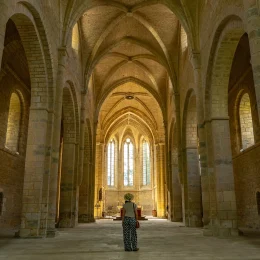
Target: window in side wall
111 163
128 163
184 40
246 122
14 122
146 163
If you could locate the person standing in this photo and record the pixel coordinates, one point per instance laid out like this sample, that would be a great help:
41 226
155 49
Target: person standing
129 220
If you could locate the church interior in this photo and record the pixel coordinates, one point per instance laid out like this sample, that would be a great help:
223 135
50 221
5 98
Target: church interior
159 98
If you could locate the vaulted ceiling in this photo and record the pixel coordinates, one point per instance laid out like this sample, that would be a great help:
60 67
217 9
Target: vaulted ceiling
137 45
131 48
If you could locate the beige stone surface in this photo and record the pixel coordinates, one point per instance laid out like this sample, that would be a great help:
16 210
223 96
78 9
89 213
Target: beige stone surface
183 75
157 239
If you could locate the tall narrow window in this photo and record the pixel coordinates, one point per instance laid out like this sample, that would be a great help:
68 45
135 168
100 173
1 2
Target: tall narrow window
146 164
111 163
246 122
128 163
184 40
13 125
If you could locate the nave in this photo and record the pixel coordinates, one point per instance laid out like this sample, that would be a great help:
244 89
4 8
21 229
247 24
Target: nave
158 98
157 239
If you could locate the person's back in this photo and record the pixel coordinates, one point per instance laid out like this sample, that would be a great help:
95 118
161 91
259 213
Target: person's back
129 220
129 209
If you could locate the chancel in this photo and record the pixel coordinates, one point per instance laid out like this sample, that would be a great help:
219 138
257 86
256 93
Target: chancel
158 98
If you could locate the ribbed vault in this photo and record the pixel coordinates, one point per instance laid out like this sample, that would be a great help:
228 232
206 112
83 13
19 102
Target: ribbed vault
127 40
136 108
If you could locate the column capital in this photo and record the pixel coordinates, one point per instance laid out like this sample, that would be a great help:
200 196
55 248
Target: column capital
62 55
195 59
63 51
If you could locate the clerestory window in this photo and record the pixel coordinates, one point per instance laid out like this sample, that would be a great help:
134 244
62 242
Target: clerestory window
146 164
246 122
111 163
13 125
128 163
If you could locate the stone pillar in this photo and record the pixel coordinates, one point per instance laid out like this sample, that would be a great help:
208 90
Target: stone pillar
176 199
84 193
98 177
92 176
75 198
55 153
160 171
91 190
205 182
81 175
87 188
179 163
225 223
253 28
31 225
169 186
192 188
67 186
209 195
2 39
3 20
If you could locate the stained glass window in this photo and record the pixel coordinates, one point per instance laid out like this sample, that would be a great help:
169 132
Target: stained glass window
111 163
128 163
146 164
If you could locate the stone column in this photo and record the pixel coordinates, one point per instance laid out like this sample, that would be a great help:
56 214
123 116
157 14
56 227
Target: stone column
169 184
160 163
83 164
253 27
192 188
91 190
202 149
2 39
3 20
225 223
67 186
31 225
87 188
92 178
55 153
75 198
98 176
176 198
84 191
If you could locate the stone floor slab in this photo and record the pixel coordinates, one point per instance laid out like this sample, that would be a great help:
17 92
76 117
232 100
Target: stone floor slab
157 239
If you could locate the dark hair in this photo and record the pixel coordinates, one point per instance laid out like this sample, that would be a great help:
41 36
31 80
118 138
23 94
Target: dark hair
126 201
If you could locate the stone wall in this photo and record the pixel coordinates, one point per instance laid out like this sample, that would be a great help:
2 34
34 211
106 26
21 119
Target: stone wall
12 162
142 198
247 183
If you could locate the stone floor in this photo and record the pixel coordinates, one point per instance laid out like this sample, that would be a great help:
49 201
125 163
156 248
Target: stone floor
158 239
